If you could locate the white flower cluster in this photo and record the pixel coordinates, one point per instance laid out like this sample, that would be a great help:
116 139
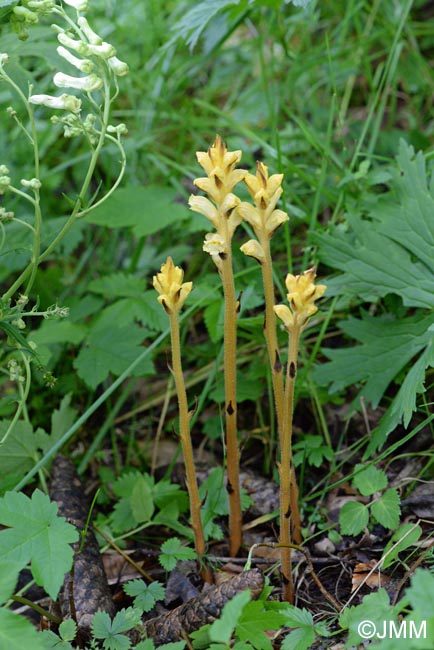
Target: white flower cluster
86 51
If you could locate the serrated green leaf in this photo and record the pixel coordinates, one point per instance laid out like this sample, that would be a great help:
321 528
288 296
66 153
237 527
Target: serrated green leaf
375 608
353 518
404 537
16 633
387 345
9 572
53 331
222 629
142 504
404 403
369 480
387 509
299 639
111 350
421 593
297 617
19 451
145 596
62 418
118 285
145 209
254 620
172 551
68 629
36 534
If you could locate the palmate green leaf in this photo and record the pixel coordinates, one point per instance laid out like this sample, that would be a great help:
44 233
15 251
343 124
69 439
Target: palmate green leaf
144 209
145 596
112 631
37 535
353 518
421 593
387 345
111 350
375 607
126 311
387 509
405 401
172 551
391 252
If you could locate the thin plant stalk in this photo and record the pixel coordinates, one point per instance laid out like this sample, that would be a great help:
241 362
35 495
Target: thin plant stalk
230 372
287 479
185 437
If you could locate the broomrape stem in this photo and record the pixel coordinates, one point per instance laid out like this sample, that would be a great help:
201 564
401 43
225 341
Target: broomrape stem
230 371
184 428
270 332
287 483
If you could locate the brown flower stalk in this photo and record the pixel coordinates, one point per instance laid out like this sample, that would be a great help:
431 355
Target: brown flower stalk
302 294
173 292
265 220
219 165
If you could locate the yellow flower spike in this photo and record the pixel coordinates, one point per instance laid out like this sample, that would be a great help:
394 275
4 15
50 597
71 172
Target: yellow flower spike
169 284
302 294
219 165
265 191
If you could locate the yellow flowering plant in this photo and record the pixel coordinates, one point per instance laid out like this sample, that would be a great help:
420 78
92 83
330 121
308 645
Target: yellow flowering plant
226 212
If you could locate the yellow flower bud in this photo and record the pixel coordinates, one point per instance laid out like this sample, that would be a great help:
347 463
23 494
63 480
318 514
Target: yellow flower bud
284 313
169 284
219 165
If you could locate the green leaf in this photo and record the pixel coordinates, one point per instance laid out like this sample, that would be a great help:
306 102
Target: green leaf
404 537
68 629
253 622
62 418
16 633
9 572
118 285
353 518
172 551
36 534
111 350
54 331
112 631
299 639
375 608
145 209
214 317
145 596
125 311
421 593
404 403
19 451
387 345
369 480
142 504
222 629
387 509
193 22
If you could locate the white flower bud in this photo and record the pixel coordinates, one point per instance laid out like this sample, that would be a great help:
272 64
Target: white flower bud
91 36
80 5
84 65
120 129
64 102
89 84
103 50
66 40
33 183
4 58
120 68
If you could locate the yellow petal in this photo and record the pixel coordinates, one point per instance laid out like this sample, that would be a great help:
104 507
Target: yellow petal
250 214
283 312
204 206
275 220
254 249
